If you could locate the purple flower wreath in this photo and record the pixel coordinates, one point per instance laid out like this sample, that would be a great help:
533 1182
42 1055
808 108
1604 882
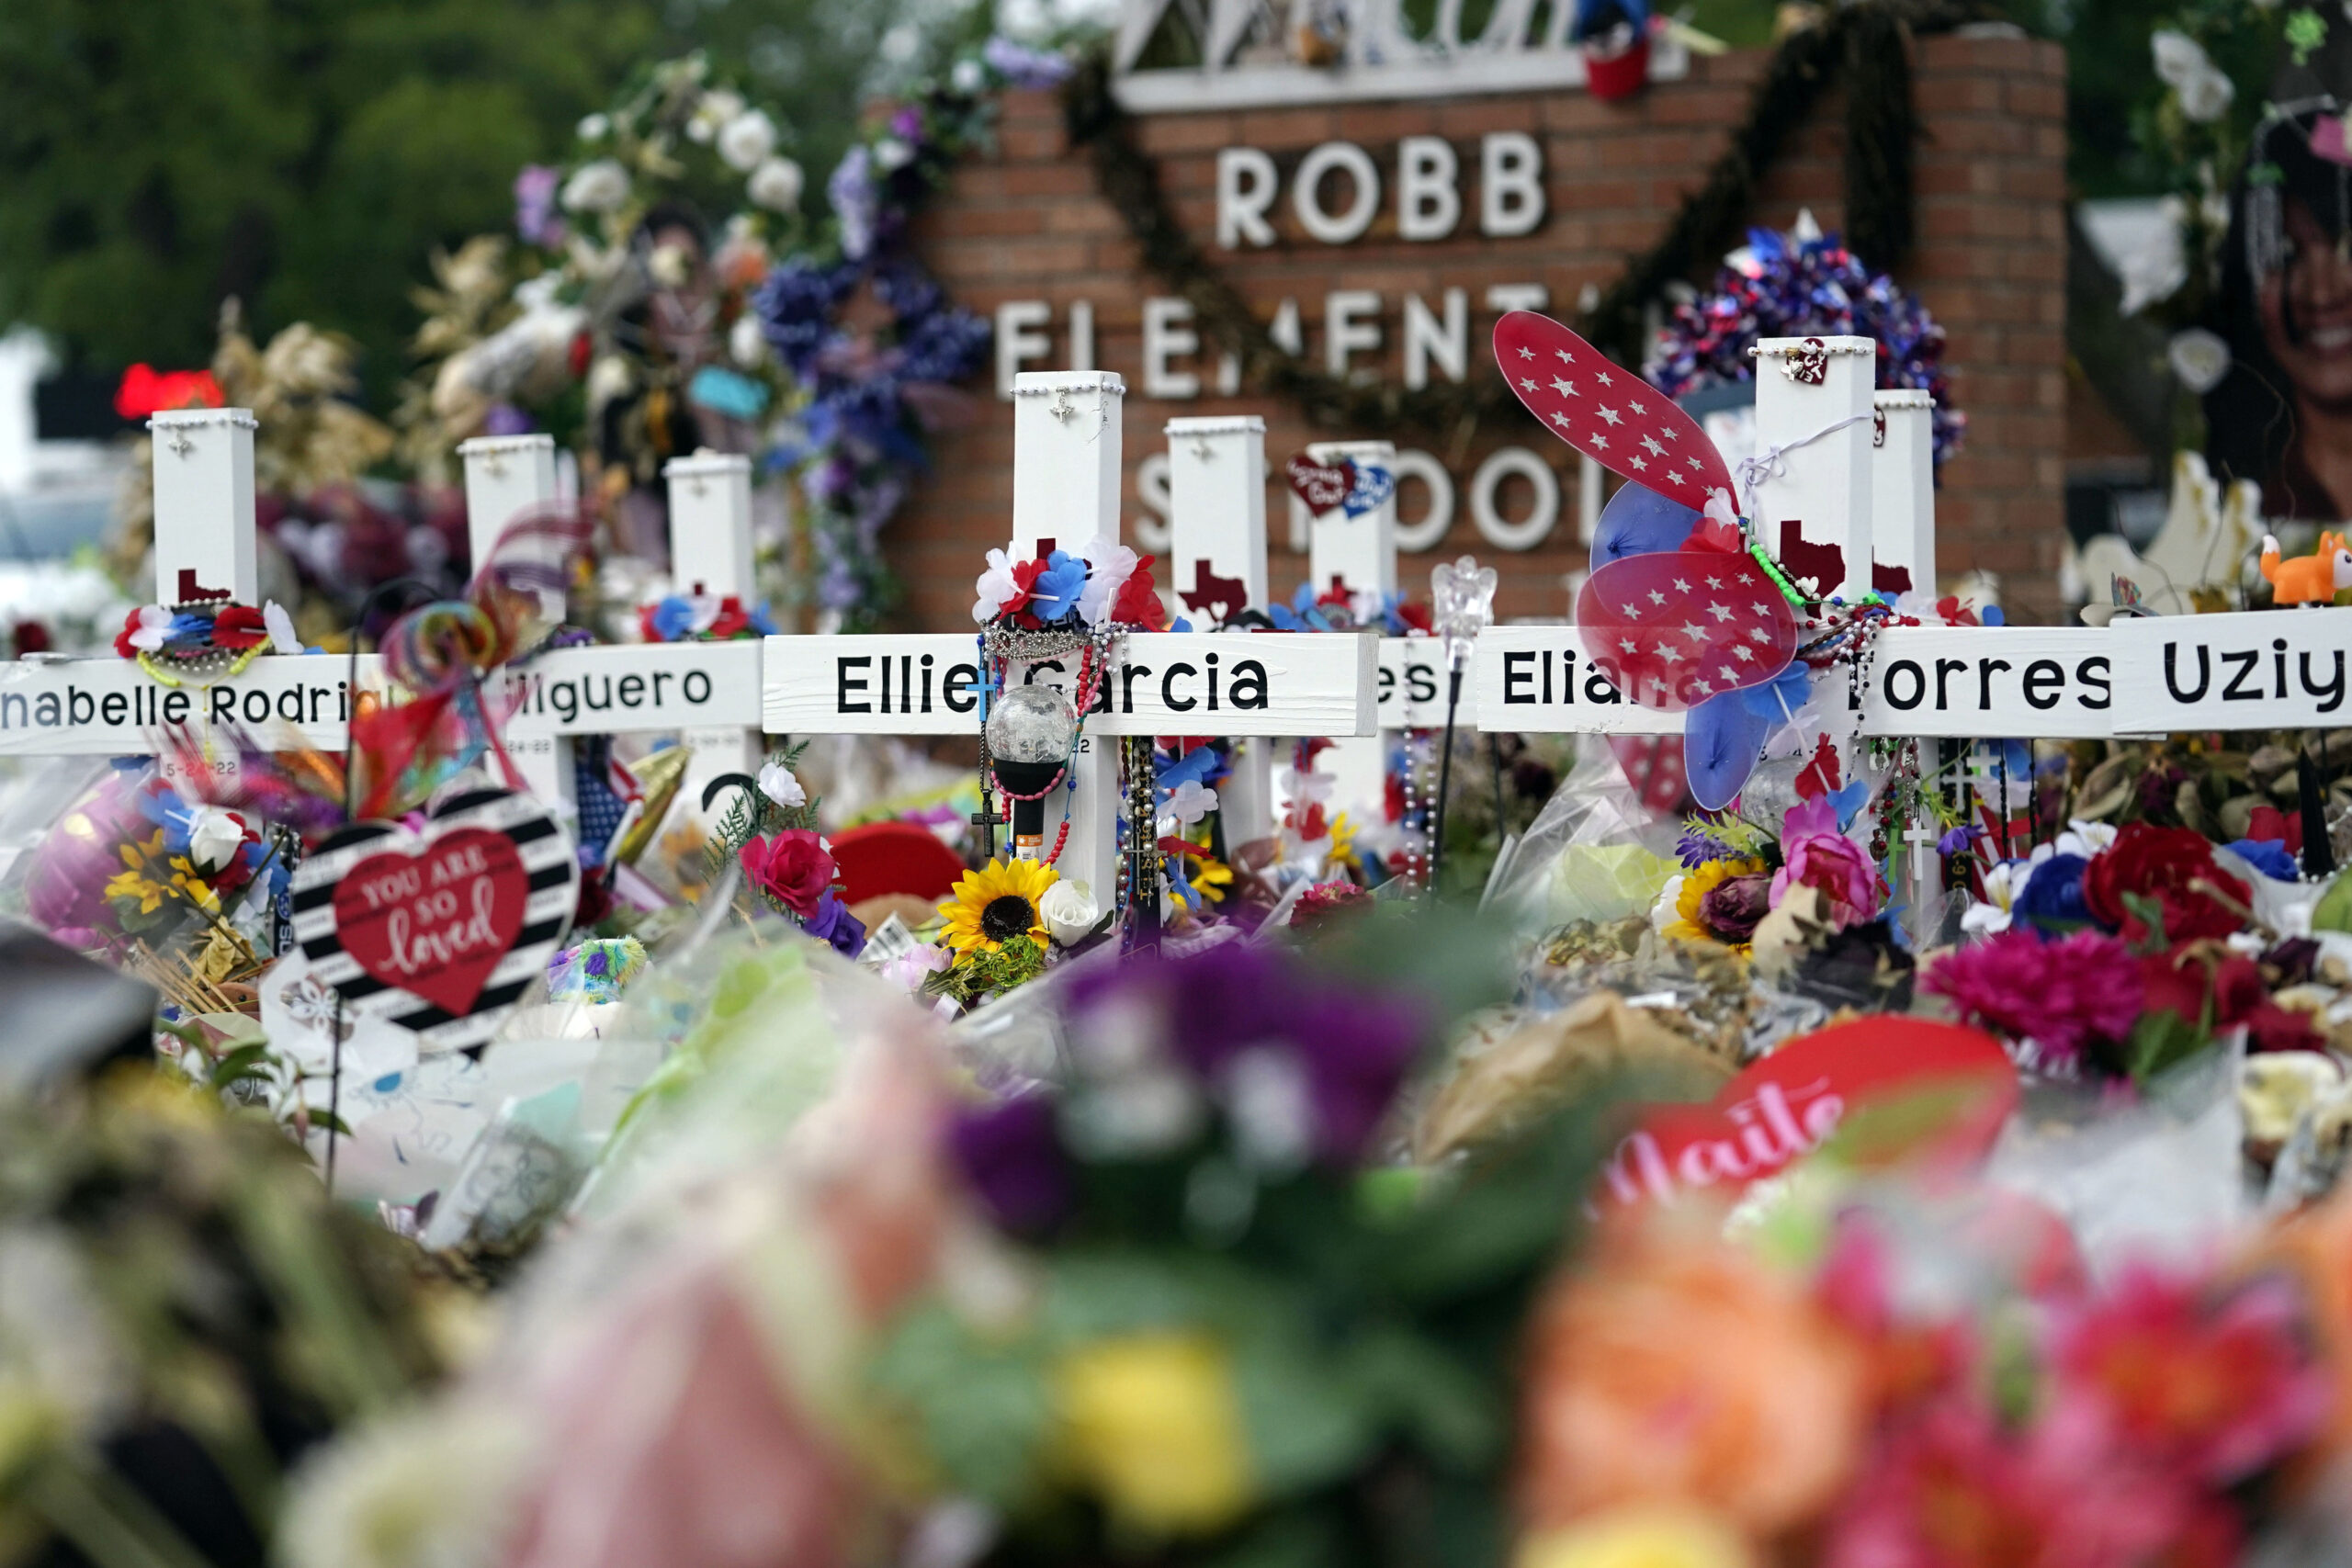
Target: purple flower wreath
1793 286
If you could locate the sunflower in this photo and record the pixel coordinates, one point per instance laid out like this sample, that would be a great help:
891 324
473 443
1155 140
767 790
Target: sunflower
996 904
1695 887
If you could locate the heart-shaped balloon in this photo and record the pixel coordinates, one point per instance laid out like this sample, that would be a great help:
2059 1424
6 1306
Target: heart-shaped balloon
439 931
1794 1101
1321 485
1638 522
1606 411
1373 484
1674 629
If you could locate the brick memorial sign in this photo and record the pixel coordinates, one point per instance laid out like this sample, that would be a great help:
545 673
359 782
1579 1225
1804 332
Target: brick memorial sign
1380 235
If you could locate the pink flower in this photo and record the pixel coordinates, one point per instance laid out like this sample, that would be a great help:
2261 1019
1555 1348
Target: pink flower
2065 993
1954 1490
1838 868
794 868
2221 1386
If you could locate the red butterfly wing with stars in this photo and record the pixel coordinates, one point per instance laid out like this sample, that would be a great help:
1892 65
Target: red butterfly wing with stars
1674 628
1606 411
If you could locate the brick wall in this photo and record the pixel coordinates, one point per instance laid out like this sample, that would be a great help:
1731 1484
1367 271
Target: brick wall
1025 224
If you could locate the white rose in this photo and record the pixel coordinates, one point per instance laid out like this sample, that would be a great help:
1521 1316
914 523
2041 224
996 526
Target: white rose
598 186
213 836
775 185
1069 910
778 783
2199 359
2206 97
968 77
745 141
890 152
746 344
716 109
2179 57
592 127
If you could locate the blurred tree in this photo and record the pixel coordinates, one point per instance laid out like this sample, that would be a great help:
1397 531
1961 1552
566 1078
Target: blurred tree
306 155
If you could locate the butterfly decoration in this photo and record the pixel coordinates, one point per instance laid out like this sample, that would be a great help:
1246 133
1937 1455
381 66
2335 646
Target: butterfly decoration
1679 612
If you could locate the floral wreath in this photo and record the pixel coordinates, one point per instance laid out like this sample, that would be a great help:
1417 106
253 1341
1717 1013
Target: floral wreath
1805 284
206 635
703 618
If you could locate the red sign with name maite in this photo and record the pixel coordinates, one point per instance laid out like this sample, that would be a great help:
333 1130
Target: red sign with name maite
1791 1102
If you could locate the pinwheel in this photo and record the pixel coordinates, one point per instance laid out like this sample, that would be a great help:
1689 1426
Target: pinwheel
1680 612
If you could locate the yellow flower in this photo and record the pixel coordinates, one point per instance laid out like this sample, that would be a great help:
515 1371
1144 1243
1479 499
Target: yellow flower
1638 1537
134 881
1343 842
1152 1422
1709 875
1214 877
996 904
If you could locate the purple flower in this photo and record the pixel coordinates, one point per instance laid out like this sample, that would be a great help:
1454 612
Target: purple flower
1957 841
831 922
535 214
907 124
1350 1043
1732 907
506 419
1016 1168
1022 67
856 205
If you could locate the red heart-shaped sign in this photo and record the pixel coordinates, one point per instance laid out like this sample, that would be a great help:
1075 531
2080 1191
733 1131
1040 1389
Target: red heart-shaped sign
1321 485
1675 627
439 931
1790 1103
1606 411
434 921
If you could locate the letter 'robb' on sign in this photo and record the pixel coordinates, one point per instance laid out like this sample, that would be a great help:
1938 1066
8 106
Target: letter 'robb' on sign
2258 669
1167 683
2028 682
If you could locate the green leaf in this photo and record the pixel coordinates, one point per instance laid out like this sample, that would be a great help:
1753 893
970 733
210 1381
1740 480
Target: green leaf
2159 1040
984 1406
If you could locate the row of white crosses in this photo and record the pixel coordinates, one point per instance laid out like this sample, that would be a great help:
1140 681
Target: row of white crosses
1863 490
1066 476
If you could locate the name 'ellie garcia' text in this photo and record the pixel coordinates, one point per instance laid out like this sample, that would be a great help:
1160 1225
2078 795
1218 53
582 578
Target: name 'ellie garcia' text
866 683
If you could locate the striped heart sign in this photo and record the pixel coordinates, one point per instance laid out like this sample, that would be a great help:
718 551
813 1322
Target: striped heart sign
439 931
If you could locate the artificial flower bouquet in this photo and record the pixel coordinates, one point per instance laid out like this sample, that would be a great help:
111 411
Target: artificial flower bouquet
770 834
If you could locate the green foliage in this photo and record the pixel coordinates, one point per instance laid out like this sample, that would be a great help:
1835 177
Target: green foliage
305 156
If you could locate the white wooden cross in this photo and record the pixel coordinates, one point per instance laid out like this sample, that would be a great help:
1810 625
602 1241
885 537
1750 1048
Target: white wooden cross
710 552
1217 549
55 706
1065 490
1359 553
690 688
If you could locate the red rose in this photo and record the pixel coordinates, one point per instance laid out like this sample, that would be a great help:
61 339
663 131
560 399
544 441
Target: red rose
122 645
2191 977
2173 868
794 868
2273 1028
731 621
